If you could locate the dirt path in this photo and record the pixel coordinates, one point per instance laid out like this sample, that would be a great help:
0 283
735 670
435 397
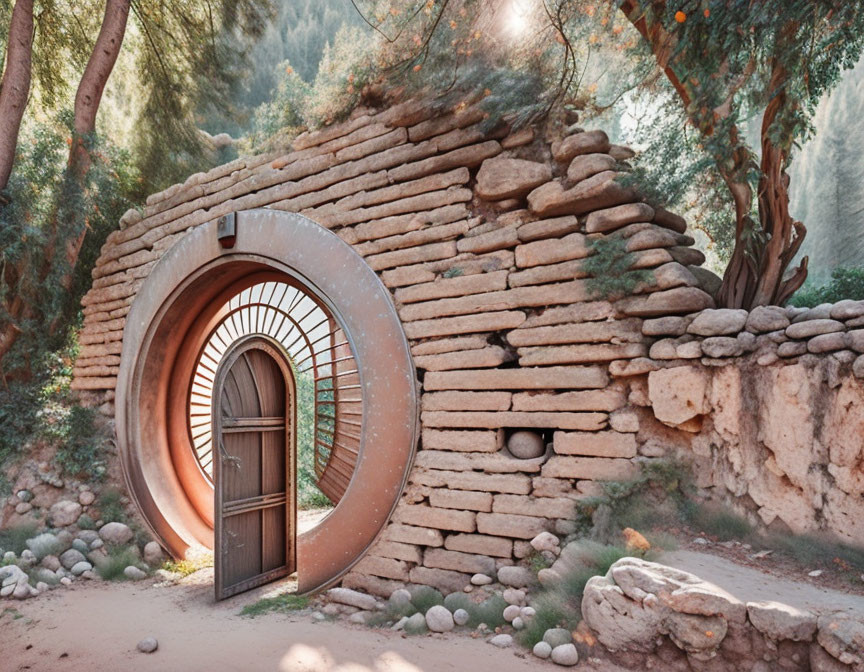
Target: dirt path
95 627
750 585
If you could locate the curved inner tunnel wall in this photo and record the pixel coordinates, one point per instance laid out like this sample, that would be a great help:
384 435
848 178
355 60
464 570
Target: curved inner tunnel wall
484 239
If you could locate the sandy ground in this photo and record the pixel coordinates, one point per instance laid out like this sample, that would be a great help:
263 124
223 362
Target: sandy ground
96 626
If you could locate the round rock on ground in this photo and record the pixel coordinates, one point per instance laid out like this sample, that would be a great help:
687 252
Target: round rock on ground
511 612
153 553
557 637
439 619
116 533
481 580
516 577
148 645
400 598
501 641
132 572
542 650
566 655
416 624
461 617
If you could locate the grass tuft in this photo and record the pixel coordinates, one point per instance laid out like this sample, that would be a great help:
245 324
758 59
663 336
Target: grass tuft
281 604
424 598
490 612
15 538
111 568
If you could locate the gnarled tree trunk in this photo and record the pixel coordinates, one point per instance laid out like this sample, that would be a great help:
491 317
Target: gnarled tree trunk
15 85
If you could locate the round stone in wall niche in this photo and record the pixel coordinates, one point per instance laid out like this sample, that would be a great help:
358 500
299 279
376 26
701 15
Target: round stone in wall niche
525 444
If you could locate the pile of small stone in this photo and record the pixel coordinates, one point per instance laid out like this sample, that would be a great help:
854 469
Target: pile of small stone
59 558
509 587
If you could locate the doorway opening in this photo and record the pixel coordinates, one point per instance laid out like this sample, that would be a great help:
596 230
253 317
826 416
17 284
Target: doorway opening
291 283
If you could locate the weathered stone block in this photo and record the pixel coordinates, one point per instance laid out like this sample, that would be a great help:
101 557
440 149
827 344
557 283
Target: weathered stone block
548 378
509 525
409 534
481 544
502 177
457 561
590 468
547 507
597 444
441 519
445 580
461 499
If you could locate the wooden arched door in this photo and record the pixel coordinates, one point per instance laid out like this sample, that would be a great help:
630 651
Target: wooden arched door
255 467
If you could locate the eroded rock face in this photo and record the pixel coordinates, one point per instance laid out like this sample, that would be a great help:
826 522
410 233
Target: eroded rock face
678 394
648 609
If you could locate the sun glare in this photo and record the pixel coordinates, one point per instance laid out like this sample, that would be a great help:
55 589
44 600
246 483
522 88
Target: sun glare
517 16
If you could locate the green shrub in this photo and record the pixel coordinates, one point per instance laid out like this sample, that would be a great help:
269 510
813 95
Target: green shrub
425 597
15 538
44 544
490 612
80 445
111 567
111 506
845 283
716 521
610 269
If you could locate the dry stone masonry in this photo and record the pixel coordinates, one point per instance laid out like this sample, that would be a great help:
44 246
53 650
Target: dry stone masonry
535 385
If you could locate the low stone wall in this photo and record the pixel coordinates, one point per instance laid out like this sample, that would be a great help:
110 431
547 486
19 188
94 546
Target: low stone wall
485 240
769 407
655 617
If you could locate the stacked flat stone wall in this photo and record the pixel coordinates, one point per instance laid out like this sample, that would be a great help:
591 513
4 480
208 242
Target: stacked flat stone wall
482 237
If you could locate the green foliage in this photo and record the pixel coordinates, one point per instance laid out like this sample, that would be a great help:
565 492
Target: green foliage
189 565
610 269
424 598
44 544
716 521
111 507
561 605
490 612
281 604
308 494
111 567
81 446
846 283
15 538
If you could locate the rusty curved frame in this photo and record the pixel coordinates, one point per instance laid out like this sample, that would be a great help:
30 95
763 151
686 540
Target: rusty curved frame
184 293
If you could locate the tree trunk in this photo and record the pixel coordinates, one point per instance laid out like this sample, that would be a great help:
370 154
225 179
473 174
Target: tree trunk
68 235
15 85
96 74
87 100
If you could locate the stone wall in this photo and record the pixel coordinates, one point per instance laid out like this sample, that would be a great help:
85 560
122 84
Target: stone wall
769 407
482 238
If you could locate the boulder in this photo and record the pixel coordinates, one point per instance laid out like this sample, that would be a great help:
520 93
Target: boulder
542 650
565 655
557 637
546 541
134 573
763 319
586 165
439 619
841 634
461 617
64 513
501 177
810 328
153 555
71 558
780 621
116 533
501 641
517 577
722 346
352 598
80 567
511 611
718 322
611 219
588 142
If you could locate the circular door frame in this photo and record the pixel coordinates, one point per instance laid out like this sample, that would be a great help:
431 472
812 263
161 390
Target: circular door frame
184 284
